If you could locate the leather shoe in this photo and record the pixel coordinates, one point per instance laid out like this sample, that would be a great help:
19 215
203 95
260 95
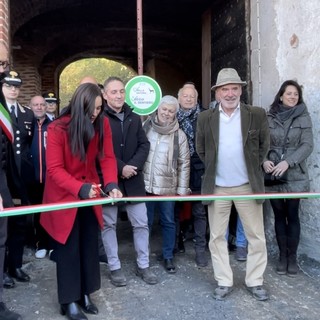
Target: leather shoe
19 275
72 311
8 282
169 266
87 305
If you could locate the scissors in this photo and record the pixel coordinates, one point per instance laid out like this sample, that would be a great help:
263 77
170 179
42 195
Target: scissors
98 189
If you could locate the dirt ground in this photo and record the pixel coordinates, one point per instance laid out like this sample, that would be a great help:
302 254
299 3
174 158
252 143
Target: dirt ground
182 296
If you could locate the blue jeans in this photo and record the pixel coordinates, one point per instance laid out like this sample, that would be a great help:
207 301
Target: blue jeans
241 240
166 212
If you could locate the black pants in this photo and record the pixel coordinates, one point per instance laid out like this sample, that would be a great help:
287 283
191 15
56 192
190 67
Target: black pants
7 203
17 230
286 217
78 269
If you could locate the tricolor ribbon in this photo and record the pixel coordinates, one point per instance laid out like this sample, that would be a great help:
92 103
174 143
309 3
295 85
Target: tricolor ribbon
100 201
5 123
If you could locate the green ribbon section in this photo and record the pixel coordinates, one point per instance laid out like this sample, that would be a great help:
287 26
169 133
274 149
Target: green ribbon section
15 211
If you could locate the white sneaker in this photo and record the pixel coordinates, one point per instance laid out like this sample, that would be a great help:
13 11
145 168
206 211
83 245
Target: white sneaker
40 254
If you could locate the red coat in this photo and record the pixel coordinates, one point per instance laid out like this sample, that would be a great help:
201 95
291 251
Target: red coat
66 174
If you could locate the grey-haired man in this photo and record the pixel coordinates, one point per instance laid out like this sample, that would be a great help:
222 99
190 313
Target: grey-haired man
232 140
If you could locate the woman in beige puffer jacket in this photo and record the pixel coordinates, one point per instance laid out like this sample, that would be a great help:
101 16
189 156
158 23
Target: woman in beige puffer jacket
166 171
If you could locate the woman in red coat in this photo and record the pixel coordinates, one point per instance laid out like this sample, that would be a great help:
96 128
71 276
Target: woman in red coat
75 141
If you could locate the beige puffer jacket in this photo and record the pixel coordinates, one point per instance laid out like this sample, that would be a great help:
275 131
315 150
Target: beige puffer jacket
161 175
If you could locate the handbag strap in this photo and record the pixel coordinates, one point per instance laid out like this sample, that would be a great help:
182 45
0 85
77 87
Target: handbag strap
285 139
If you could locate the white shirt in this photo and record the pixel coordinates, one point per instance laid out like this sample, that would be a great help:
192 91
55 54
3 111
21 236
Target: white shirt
231 165
15 107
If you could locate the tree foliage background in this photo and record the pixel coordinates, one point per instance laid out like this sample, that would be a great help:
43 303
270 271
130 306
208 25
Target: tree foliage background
99 68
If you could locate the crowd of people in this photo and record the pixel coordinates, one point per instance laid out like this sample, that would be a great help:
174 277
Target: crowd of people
98 146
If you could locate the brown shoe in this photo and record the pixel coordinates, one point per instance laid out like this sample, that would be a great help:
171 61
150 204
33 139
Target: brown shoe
147 275
117 278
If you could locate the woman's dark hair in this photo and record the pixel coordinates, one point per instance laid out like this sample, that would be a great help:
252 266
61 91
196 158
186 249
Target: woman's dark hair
274 108
80 128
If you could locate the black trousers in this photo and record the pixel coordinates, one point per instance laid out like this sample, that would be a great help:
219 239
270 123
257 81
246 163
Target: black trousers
7 203
286 217
78 268
17 230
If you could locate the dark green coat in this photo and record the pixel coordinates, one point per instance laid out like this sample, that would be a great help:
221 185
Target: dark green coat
256 140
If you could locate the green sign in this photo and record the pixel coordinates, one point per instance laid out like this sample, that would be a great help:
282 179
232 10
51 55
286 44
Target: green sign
143 94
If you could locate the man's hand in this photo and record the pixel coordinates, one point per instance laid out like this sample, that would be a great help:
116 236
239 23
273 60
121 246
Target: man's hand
129 171
115 193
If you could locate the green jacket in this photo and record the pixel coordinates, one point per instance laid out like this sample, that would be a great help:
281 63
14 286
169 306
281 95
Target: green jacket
256 140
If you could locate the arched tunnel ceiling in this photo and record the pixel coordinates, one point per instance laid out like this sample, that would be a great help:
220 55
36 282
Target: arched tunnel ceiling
55 31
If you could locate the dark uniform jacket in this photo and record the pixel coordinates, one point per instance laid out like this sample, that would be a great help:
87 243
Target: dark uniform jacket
23 132
131 147
4 190
10 181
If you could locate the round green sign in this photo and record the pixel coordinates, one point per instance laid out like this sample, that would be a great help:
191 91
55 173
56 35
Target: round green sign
143 94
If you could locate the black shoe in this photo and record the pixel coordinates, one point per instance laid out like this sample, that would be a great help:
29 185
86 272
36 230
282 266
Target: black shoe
6 314
293 268
159 257
72 311
19 275
8 282
201 259
169 266
241 254
181 248
87 305
282 265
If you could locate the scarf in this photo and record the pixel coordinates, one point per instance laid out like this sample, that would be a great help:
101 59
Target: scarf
172 130
286 113
186 118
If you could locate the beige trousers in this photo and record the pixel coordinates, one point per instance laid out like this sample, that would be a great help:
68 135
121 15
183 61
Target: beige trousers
251 215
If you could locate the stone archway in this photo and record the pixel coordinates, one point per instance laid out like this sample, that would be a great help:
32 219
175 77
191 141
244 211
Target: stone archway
46 35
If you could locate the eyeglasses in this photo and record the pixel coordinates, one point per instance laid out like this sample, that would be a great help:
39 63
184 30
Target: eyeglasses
10 86
4 64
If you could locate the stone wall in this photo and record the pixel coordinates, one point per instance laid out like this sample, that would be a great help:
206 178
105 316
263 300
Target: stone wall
286 45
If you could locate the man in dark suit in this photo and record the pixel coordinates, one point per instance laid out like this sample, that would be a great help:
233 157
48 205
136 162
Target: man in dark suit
6 138
22 119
